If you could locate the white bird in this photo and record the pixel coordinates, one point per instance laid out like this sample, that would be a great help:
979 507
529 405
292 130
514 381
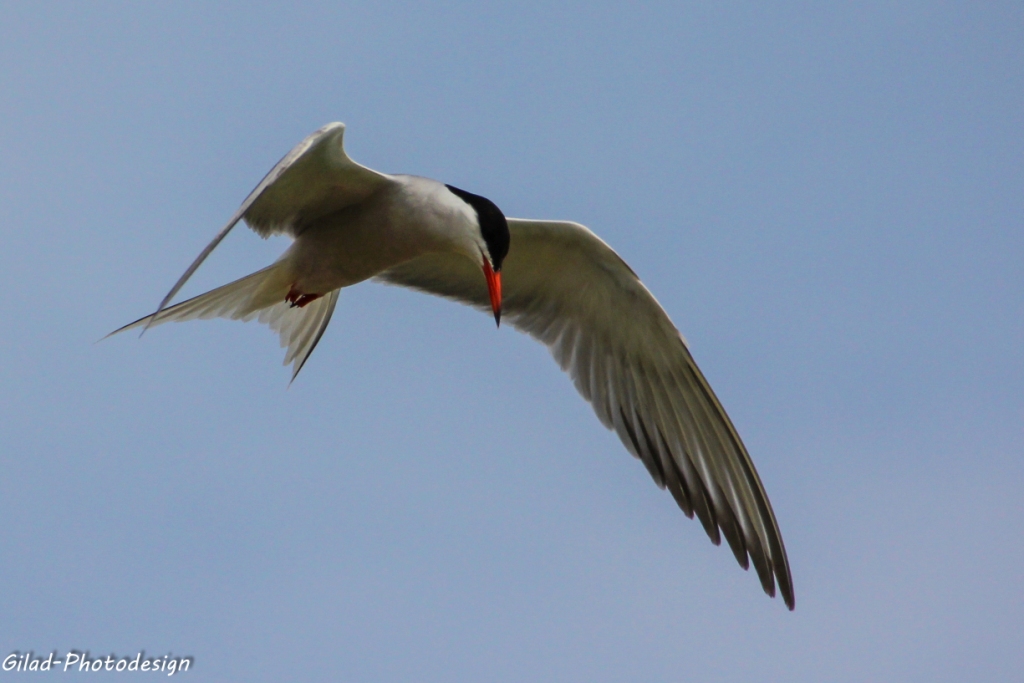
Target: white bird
554 280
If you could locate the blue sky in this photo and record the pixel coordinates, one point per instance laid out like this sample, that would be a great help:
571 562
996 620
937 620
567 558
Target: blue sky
827 200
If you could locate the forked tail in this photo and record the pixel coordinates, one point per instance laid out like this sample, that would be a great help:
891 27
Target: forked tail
260 296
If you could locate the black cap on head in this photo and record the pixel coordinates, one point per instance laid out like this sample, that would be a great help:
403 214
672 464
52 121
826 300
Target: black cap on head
493 225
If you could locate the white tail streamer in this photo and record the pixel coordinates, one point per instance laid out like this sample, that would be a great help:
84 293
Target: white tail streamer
257 296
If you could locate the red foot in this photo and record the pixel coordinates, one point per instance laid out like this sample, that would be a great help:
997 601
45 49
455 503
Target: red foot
299 300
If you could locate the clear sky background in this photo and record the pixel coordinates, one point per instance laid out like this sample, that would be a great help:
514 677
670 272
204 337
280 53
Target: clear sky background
827 200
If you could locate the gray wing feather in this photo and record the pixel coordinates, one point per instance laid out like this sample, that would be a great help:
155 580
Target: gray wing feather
569 290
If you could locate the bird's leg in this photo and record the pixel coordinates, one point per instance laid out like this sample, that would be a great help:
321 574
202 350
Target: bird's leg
297 299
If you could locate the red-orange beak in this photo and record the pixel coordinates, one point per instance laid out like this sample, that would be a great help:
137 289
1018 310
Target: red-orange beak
494 288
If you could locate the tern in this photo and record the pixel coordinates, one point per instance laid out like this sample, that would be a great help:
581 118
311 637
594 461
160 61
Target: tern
554 280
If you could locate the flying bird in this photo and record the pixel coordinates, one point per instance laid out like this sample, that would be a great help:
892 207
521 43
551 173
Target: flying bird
554 280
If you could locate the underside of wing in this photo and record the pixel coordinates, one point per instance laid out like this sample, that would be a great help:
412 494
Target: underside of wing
315 179
568 289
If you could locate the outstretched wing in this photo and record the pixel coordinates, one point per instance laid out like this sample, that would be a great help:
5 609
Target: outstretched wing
316 178
569 290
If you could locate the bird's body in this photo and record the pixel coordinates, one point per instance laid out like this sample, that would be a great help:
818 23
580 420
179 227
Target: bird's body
408 217
554 280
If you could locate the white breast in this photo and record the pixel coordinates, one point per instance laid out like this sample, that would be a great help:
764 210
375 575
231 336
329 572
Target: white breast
402 221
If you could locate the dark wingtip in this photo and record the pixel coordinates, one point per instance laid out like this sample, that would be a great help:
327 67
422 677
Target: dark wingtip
790 599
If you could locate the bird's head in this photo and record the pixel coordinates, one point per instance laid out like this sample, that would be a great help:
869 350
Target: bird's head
493 242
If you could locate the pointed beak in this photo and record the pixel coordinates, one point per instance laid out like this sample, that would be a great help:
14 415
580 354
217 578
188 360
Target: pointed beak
494 288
